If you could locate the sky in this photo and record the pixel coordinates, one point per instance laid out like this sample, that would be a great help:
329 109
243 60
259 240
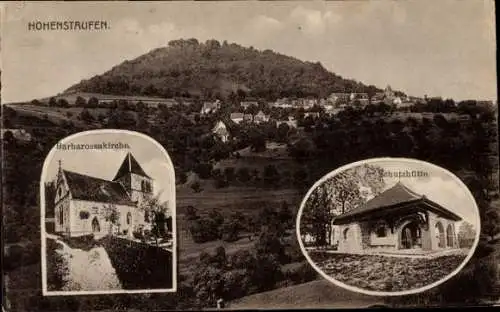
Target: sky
439 48
439 185
104 163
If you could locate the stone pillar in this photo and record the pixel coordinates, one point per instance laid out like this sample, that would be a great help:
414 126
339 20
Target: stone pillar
429 240
365 235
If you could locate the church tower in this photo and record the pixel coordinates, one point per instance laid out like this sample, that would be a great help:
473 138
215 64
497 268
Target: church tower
137 183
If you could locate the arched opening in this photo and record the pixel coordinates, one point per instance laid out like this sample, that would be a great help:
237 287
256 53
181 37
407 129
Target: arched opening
346 231
381 231
411 236
129 218
96 228
449 236
143 186
440 235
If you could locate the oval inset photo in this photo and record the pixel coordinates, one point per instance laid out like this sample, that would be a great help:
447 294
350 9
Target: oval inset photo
388 226
108 215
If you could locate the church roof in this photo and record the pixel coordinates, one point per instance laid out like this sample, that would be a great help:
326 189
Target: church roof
90 188
397 196
130 165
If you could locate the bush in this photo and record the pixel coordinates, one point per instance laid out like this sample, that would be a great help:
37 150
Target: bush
204 170
191 213
303 274
242 259
230 231
204 230
196 187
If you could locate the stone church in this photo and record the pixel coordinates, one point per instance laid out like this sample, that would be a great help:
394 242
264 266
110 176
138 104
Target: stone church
397 220
86 205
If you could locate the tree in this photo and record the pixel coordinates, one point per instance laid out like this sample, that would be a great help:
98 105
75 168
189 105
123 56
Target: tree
285 215
191 213
62 103
112 215
338 195
196 187
466 235
93 102
52 102
80 102
216 216
86 116
156 211
271 175
243 174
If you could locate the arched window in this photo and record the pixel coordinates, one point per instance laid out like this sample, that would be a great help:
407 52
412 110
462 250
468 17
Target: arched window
143 186
345 233
129 218
381 231
61 215
60 192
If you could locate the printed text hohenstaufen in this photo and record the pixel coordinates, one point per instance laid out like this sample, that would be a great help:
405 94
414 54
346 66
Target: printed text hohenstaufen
68 25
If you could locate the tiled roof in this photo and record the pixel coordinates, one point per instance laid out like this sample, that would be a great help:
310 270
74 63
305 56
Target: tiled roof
90 188
130 165
236 115
395 196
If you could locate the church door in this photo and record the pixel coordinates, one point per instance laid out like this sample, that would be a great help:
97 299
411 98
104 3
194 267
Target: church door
96 228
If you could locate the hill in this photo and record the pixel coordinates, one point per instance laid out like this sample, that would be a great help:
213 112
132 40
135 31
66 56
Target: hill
211 69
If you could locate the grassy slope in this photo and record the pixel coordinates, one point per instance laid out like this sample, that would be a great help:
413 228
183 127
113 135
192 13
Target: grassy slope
318 294
227 200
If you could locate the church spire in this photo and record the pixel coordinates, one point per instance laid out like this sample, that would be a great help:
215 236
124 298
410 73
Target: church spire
130 165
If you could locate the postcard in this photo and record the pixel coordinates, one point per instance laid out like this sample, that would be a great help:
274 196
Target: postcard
239 155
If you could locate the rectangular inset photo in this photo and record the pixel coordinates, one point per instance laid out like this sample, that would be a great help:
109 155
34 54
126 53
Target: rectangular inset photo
108 215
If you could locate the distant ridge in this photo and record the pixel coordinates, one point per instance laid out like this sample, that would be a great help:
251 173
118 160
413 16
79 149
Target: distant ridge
188 68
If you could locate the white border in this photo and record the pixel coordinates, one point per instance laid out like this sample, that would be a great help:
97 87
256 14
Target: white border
46 163
381 293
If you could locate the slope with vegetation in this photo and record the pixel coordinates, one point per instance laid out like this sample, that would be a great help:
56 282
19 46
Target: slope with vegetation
211 69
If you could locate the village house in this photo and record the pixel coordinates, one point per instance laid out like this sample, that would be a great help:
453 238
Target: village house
260 117
210 107
246 104
247 117
291 122
339 98
282 103
237 117
311 114
84 204
220 131
18 134
397 220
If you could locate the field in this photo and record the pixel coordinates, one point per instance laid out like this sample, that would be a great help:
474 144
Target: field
385 273
320 294
228 200
58 114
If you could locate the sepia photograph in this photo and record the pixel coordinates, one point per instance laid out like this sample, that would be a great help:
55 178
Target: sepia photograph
254 102
108 215
389 227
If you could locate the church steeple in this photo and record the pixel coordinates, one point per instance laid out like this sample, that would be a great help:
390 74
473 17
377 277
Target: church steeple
134 179
130 165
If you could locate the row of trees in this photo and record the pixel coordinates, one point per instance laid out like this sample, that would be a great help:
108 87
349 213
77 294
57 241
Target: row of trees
215 226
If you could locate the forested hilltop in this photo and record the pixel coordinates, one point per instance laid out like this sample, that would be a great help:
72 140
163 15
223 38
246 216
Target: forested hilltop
189 68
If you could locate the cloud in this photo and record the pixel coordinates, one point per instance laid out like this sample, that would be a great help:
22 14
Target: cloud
313 22
265 23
